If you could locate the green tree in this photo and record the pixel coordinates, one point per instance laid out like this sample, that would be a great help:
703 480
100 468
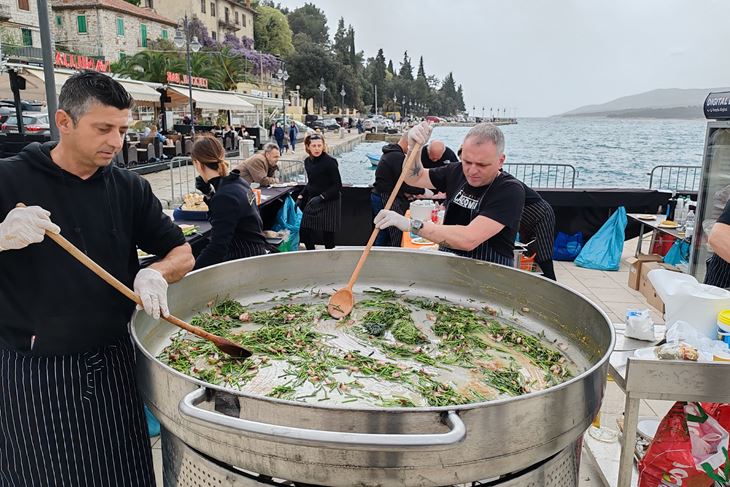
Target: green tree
229 68
406 69
377 75
149 66
309 20
460 99
310 62
341 44
390 68
271 31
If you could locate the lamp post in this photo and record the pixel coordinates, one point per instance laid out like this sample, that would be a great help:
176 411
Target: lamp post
342 94
182 37
322 89
282 75
490 113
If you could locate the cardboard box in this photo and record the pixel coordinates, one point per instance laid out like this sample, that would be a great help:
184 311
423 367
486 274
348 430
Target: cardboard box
635 267
645 286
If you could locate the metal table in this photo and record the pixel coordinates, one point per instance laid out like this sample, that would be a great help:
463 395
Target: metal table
654 225
668 380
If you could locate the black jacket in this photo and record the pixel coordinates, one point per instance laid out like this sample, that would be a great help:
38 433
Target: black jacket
323 178
233 214
44 291
388 172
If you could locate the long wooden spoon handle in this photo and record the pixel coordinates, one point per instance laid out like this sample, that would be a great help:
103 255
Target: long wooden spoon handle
119 286
412 154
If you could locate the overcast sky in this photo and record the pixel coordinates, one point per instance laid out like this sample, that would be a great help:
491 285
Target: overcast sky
544 57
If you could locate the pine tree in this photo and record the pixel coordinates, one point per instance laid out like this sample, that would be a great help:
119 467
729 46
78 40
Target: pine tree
421 71
341 45
406 69
390 67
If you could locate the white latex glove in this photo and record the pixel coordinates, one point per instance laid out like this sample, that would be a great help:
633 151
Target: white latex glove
25 226
419 134
427 193
390 218
151 287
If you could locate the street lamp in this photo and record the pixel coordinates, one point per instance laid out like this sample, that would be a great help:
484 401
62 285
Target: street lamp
322 89
342 94
182 38
490 114
282 75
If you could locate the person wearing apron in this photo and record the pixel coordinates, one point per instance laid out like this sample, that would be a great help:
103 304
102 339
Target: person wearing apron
483 205
718 265
237 229
70 412
320 198
386 175
538 224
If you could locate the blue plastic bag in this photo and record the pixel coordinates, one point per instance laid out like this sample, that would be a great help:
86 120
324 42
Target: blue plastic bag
153 426
567 247
603 250
678 253
289 218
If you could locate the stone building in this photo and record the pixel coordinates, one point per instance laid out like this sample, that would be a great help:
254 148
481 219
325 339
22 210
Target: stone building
218 16
19 26
110 29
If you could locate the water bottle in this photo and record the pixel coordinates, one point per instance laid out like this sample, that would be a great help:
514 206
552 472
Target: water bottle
679 211
689 225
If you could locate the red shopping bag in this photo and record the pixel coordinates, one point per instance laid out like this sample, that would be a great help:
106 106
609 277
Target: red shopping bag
688 450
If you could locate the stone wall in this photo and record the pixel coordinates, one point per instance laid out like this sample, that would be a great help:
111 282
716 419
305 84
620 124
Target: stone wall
21 19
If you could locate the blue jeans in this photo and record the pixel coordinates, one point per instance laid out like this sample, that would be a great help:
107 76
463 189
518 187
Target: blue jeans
376 203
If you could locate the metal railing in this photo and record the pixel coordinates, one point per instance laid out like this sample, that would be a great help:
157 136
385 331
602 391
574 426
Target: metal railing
543 175
25 53
675 177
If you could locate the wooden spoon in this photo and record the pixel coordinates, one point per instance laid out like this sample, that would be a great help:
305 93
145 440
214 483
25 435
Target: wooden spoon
224 345
342 302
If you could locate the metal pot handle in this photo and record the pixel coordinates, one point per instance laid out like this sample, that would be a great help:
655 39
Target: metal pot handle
318 438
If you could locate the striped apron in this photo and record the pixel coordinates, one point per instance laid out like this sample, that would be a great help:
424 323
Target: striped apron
240 249
73 420
400 205
538 222
483 251
718 272
325 217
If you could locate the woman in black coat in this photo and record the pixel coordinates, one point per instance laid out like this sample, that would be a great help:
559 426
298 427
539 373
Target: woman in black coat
232 211
320 199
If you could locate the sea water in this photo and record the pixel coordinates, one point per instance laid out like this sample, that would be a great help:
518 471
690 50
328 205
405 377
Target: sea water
605 152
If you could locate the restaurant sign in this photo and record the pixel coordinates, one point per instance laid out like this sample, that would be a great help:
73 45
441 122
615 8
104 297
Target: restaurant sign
77 61
182 79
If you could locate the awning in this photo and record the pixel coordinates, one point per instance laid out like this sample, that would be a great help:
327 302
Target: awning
140 91
210 99
268 101
35 84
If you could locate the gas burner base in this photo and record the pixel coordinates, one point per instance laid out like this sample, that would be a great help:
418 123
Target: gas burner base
186 467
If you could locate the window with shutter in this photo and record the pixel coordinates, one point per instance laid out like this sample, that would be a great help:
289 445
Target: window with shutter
27 37
23 5
143 34
81 24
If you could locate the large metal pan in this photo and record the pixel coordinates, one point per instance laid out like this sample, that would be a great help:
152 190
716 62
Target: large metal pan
340 445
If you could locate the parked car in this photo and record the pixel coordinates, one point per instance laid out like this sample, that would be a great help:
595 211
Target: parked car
33 123
27 106
326 124
377 124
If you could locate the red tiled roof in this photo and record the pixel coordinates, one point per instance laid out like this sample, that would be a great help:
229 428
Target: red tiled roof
117 5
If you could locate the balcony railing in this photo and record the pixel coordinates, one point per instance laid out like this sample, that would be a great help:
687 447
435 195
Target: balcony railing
15 52
229 25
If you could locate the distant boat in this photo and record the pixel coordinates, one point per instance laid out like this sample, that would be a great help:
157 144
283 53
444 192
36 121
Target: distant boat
374 158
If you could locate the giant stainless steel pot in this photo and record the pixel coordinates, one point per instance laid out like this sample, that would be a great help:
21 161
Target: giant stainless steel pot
340 445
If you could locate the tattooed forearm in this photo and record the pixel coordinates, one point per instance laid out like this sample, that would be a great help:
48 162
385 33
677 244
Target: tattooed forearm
444 243
416 169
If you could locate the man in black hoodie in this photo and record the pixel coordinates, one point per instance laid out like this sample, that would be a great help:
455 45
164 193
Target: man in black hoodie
386 175
68 395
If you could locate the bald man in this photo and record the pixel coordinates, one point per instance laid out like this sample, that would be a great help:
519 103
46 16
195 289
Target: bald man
436 154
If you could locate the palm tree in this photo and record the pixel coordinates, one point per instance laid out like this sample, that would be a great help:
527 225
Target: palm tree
150 66
230 67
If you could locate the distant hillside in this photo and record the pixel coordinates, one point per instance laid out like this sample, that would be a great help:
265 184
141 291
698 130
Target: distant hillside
663 103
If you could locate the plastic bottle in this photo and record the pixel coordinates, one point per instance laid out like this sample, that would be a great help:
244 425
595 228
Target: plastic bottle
689 224
679 211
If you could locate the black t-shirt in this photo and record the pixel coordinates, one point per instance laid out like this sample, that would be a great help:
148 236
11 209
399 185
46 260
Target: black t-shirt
502 201
447 157
725 216
531 196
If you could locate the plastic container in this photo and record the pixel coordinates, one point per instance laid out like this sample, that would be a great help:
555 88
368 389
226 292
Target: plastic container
724 337
723 320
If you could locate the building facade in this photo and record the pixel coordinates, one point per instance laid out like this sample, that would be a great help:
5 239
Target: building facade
218 16
111 29
19 26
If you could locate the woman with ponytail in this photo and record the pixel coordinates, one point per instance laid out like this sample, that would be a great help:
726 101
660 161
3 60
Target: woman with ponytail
232 211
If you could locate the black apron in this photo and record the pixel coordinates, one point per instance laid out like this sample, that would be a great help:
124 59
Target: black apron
240 249
74 420
538 222
483 251
718 272
323 217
